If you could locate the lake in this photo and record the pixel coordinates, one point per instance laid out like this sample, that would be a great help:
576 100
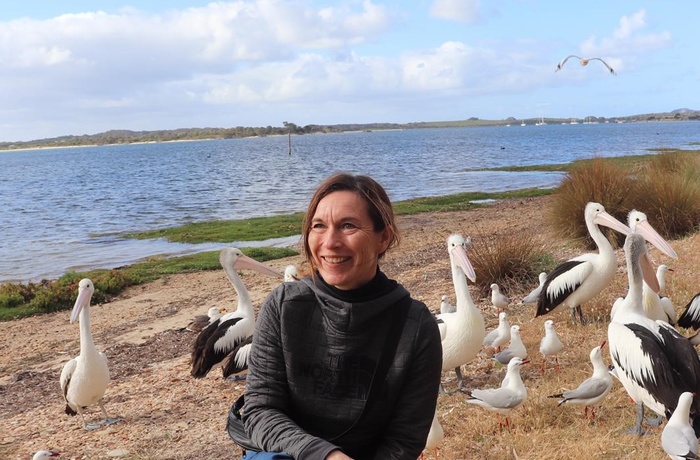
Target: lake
65 209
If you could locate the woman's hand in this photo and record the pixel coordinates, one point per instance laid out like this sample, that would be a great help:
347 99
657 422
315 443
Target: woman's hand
337 455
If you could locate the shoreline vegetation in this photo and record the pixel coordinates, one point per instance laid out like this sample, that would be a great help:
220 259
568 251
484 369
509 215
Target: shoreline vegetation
120 137
25 299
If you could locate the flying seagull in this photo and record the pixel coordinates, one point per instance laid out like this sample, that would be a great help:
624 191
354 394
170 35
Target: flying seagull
584 62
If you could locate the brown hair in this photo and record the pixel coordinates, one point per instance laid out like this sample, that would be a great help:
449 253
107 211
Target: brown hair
379 206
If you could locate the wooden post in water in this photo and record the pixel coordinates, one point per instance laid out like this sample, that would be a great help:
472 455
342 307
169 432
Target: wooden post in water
290 143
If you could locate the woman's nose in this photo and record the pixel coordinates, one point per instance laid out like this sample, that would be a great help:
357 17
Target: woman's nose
331 238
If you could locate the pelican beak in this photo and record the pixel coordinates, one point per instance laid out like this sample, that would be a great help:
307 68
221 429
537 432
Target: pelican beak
609 221
649 273
245 262
81 302
460 256
645 229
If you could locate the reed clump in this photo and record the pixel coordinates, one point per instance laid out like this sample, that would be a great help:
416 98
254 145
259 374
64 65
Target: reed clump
666 188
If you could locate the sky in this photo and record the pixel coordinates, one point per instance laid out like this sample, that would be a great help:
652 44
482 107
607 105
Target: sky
74 67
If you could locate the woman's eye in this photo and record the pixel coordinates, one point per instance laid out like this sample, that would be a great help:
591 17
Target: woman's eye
347 225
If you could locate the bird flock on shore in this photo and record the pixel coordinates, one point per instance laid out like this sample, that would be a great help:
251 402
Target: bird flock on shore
657 365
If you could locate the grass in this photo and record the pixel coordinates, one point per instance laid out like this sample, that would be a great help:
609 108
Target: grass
21 300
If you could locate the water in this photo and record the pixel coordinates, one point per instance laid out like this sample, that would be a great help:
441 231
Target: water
65 209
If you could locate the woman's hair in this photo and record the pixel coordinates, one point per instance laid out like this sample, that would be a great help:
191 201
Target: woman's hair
378 206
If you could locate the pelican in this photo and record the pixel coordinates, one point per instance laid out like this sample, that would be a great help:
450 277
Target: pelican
516 347
463 331
498 300
656 305
592 390
652 360
84 379
446 306
44 454
550 345
690 318
535 293
435 437
584 62
678 438
499 336
223 336
199 322
511 395
578 280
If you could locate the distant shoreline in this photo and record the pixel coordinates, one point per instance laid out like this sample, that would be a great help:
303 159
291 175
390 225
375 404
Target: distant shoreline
240 133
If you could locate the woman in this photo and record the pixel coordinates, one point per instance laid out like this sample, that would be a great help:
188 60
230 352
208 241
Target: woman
319 342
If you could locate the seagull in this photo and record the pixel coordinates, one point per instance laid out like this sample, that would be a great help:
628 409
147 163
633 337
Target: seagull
291 273
516 348
44 454
498 300
584 62
652 360
500 335
226 336
463 331
550 345
199 322
84 379
446 306
580 279
435 437
678 438
535 293
592 390
511 395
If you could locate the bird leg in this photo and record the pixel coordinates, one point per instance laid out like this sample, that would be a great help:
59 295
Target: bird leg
637 429
107 420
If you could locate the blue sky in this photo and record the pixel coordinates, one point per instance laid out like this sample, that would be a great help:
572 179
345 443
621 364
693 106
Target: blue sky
83 67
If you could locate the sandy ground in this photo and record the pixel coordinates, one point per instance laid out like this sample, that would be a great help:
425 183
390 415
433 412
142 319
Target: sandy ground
166 413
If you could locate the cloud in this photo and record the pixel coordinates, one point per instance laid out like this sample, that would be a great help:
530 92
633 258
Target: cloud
630 39
464 11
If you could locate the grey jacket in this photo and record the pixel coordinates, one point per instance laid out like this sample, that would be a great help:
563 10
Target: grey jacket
310 368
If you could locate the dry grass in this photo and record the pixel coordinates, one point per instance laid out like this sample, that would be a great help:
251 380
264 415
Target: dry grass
169 415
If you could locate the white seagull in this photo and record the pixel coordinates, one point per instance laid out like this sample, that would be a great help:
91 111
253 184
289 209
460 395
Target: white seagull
578 280
227 336
463 331
291 273
84 379
435 437
652 360
511 395
535 293
550 345
446 306
516 347
584 62
44 454
678 437
500 335
498 300
592 390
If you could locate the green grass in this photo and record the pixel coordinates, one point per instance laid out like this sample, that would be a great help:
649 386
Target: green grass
21 300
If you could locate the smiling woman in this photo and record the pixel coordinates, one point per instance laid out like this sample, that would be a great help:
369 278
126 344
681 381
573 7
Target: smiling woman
332 354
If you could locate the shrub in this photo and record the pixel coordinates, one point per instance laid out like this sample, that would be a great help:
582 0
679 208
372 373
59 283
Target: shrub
600 181
506 259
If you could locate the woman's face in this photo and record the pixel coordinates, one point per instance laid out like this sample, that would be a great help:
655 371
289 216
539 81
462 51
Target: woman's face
343 243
